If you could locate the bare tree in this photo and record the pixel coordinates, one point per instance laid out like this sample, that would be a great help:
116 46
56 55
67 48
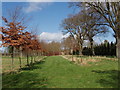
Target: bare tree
74 26
69 45
110 11
90 24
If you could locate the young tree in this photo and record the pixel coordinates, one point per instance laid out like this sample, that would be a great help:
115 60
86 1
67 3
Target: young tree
13 33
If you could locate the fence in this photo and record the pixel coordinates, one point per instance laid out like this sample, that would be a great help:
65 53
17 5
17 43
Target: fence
9 64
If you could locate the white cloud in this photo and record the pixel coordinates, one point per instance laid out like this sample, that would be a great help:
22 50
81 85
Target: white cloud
46 36
33 6
36 6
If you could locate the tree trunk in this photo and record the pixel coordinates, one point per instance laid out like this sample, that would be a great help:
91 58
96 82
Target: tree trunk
20 56
34 59
80 50
72 54
118 47
20 62
92 48
12 56
37 53
31 60
27 60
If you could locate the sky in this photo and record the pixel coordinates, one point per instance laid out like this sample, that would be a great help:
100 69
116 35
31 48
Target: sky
47 17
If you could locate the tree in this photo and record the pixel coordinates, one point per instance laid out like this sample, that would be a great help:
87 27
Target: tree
66 45
110 11
90 24
76 29
12 35
52 48
69 44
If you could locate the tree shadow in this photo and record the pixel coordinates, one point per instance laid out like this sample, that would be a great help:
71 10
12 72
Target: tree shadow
39 62
108 78
30 68
34 66
23 80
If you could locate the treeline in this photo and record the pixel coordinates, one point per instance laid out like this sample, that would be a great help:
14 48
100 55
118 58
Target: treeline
52 48
104 49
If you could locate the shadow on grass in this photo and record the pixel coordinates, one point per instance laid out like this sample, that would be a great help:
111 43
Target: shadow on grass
108 78
34 66
23 80
111 56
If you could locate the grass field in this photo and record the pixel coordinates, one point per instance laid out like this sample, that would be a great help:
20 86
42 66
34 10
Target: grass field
57 72
7 63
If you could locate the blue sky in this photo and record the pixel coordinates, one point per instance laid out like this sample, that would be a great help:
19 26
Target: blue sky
47 17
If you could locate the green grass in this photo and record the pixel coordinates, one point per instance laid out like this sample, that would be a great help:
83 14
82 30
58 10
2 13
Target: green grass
56 72
7 63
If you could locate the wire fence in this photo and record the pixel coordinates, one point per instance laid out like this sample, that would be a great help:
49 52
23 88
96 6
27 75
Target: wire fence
10 64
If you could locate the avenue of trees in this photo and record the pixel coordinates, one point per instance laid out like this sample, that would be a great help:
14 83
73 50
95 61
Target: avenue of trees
93 18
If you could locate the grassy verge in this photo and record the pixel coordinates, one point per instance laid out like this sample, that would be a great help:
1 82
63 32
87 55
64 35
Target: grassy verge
85 60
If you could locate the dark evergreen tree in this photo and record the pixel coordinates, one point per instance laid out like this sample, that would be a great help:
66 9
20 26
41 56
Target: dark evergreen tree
103 49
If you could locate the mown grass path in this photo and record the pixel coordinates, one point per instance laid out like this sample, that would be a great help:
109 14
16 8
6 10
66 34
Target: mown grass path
56 72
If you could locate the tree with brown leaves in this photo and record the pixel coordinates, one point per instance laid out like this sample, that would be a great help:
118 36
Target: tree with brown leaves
12 35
